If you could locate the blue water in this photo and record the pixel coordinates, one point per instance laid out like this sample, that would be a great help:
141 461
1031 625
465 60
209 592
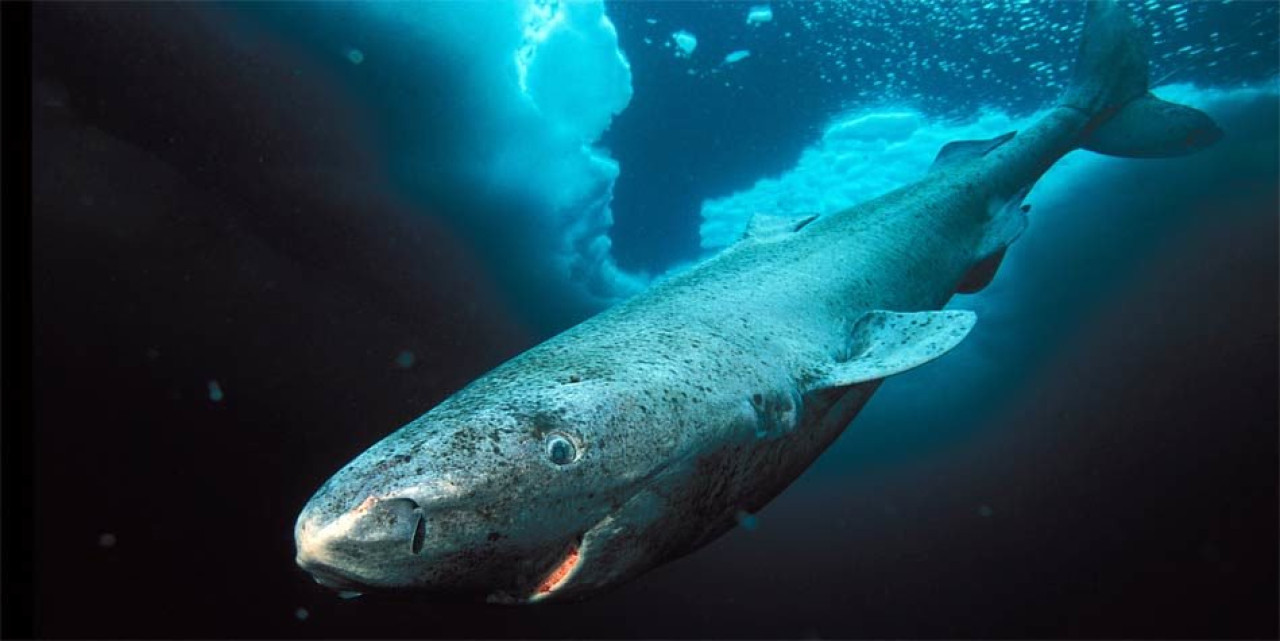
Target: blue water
336 214
817 61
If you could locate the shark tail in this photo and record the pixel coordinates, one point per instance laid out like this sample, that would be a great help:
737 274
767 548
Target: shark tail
1110 85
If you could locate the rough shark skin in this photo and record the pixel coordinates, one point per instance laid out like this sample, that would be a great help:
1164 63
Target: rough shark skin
643 433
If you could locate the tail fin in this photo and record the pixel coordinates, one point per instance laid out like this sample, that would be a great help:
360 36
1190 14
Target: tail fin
1110 85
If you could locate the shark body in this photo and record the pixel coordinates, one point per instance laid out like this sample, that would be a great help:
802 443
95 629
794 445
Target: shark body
647 431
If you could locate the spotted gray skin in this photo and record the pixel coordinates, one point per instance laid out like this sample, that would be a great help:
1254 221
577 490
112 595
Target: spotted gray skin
642 434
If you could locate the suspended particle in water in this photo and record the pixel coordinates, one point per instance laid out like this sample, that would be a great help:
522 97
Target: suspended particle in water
747 520
107 540
985 511
405 359
215 391
301 614
686 41
759 14
355 56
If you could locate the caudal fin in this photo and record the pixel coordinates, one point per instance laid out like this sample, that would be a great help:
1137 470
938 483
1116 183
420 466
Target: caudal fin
1110 84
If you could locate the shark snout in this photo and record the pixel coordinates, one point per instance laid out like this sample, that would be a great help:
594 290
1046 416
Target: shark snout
353 550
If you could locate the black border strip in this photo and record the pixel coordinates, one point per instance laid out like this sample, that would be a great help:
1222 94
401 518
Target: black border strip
17 580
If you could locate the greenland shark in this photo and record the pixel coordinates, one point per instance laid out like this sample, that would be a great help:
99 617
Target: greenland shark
647 431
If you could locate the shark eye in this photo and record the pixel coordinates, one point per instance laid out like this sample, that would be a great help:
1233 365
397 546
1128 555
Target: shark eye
561 450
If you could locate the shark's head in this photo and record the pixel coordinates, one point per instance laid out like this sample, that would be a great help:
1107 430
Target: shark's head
502 492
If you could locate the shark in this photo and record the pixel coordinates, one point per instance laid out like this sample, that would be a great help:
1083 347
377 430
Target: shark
650 429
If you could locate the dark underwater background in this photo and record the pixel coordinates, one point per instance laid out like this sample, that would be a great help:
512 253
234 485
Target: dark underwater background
267 234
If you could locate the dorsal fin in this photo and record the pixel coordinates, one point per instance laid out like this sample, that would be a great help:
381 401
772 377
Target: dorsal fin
763 226
958 151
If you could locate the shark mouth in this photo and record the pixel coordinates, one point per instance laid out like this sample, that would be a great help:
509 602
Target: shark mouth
561 573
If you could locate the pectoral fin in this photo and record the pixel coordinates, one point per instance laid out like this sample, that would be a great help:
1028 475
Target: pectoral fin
887 343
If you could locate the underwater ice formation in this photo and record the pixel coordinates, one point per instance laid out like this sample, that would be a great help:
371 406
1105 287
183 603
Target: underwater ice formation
858 158
861 156
551 77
